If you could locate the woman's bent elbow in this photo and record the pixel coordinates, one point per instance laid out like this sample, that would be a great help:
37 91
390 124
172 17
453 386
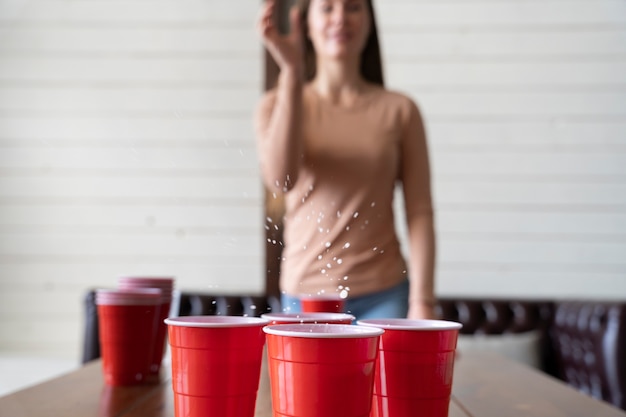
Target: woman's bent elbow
280 183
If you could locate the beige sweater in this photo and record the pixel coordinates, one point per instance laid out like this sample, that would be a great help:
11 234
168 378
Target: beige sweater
339 222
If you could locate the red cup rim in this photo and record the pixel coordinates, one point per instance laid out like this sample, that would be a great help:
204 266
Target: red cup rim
322 331
142 292
322 297
123 296
411 324
167 290
307 317
147 280
215 321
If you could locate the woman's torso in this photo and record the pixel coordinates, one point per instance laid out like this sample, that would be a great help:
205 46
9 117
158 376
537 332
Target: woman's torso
339 223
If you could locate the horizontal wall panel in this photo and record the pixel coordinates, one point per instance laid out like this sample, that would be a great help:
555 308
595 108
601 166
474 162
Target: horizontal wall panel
546 136
501 13
68 304
551 255
225 188
522 104
536 192
574 43
96 40
161 12
495 73
51 132
234 275
239 157
149 219
218 247
543 285
594 225
218 69
496 163
85 99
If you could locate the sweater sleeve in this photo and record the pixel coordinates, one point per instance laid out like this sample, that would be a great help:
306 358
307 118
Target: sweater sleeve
262 118
415 165
416 181
278 126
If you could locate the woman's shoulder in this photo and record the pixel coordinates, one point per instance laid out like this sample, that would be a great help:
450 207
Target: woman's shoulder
397 98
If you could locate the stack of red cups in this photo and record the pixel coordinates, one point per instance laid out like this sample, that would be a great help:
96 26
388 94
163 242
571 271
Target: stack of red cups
166 285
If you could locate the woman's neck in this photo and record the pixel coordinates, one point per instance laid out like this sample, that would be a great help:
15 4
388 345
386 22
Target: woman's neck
337 82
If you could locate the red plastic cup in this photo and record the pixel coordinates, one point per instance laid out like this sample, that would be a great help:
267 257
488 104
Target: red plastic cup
216 364
322 303
127 327
293 318
414 368
166 285
322 369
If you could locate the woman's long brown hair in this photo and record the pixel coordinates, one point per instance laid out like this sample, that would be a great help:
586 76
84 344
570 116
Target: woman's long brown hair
371 62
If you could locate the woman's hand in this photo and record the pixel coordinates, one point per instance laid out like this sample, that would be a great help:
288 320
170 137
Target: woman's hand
421 310
287 50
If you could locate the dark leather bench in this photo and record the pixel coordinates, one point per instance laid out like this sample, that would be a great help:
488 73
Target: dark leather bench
582 342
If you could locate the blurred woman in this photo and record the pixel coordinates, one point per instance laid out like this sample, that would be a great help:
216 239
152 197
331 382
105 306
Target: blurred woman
336 143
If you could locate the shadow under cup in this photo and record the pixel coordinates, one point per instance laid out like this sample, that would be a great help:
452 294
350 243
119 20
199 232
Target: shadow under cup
414 368
216 364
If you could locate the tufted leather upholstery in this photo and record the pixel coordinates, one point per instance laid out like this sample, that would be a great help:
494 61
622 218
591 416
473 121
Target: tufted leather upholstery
192 304
495 316
584 342
590 348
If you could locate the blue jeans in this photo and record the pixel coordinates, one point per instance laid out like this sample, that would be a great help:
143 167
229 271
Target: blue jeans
391 303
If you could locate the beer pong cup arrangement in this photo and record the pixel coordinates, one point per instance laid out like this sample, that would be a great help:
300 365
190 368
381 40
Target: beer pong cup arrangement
216 364
322 369
166 285
127 326
324 303
414 367
293 318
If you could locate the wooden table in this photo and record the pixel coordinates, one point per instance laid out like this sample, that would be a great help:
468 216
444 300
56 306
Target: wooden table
484 386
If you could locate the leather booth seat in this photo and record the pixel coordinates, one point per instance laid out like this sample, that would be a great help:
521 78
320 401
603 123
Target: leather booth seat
582 342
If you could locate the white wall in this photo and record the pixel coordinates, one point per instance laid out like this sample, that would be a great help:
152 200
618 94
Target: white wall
525 104
126 148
